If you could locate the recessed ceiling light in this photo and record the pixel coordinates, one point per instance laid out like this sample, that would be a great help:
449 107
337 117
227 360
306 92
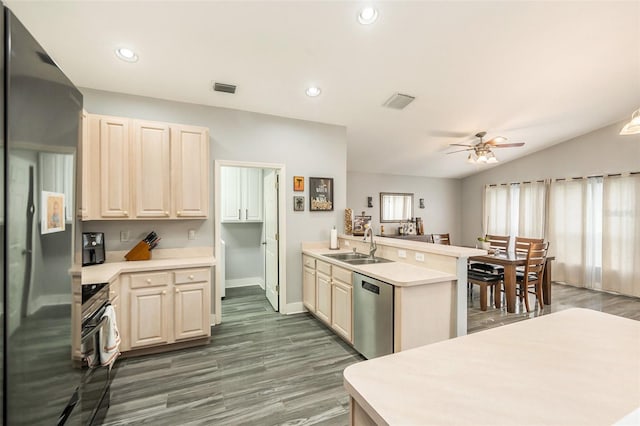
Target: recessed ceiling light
367 16
126 54
313 91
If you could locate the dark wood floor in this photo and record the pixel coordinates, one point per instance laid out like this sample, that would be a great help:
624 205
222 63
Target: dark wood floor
263 368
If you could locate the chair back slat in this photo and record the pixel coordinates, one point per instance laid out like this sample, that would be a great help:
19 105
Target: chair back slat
522 244
441 239
498 241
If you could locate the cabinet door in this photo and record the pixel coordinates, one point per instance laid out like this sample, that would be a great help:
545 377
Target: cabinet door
231 194
190 158
151 169
309 288
83 176
252 191
341 309
114 167
191 313
149 316
323 297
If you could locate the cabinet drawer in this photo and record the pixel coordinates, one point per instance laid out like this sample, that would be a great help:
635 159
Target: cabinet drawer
153 279
308 261
192 275
341 274
323 267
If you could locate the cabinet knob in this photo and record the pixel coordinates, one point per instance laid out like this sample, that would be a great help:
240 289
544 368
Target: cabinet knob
125 213
191 277
164 292
239 214
166 213
179 213
112 292
177 290
148 280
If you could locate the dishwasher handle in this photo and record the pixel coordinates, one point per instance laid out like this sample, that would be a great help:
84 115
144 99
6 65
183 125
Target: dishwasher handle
370 287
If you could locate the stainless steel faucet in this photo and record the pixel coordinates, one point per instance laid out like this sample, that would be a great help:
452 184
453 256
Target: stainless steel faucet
372 246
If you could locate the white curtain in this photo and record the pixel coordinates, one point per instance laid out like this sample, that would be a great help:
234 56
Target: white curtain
621 234
575 231
498 211
532 210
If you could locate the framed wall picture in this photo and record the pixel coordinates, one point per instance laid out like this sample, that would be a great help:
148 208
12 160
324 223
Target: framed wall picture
52 212
298 183
360 223
320 194
298 203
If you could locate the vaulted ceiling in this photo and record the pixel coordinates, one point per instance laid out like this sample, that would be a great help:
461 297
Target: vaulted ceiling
534 72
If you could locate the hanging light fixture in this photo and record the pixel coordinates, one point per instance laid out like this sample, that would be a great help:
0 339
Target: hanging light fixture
491 158
633 126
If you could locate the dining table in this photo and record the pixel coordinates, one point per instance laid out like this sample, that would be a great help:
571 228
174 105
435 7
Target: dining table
510 260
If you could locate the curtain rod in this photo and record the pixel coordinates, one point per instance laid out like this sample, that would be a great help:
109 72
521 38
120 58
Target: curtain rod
491 185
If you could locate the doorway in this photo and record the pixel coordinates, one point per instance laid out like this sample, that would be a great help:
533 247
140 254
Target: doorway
249 227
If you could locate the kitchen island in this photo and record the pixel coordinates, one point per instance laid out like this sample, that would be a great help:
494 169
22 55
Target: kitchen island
425 300
574 367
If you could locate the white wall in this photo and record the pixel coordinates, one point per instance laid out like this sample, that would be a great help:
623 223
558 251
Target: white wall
244 257
305 148
441 197
599 152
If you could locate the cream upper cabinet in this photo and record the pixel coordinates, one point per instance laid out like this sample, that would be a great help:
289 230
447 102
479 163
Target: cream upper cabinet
190 170
241 194
135 169
151 169
114 167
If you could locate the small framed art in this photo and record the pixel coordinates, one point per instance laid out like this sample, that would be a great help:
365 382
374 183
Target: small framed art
298 203
320 194
298 183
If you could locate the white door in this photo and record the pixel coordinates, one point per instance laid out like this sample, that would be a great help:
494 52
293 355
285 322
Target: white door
19 258
271 236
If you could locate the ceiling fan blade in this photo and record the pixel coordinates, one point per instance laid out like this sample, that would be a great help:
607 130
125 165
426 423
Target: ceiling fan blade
508 145
461 144
461 150
496 140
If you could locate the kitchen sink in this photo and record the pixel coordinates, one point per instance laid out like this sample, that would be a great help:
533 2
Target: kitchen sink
346 257
368 261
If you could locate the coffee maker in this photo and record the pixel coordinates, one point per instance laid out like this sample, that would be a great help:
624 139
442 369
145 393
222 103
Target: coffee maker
92 248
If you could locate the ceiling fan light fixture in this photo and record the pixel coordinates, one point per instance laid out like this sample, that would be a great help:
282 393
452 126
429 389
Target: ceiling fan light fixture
633 126
482 158
491 158
471 160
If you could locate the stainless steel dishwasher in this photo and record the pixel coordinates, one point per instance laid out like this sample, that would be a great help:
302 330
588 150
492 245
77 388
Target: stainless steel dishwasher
372 316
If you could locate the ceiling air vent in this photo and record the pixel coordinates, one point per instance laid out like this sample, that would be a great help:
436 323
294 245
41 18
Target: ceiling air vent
226 88
398 101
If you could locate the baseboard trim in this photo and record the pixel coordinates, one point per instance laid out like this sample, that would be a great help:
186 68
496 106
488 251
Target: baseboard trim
295 308
244 282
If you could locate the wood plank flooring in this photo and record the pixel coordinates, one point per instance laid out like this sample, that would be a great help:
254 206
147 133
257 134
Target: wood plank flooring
263 368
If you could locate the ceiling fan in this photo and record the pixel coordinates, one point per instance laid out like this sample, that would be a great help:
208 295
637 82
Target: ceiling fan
481 151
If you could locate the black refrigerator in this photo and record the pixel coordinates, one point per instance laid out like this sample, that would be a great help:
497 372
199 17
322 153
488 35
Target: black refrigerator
40 127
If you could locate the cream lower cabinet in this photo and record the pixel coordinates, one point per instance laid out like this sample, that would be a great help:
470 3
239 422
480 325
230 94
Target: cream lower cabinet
341 302
323 291
327 292
191 304
309 283
165 307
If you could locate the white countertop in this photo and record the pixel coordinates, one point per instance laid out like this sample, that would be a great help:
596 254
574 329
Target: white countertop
574 367
396 273
106 272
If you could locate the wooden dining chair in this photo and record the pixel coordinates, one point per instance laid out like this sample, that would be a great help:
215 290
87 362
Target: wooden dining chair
441 239
485 281
533 271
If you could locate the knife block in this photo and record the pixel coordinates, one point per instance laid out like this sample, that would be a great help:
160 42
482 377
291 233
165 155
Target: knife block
139 252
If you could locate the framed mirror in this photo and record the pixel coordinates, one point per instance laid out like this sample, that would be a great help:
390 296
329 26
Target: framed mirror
396 206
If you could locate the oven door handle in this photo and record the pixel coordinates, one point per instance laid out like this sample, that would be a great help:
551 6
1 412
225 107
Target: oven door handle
94 330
